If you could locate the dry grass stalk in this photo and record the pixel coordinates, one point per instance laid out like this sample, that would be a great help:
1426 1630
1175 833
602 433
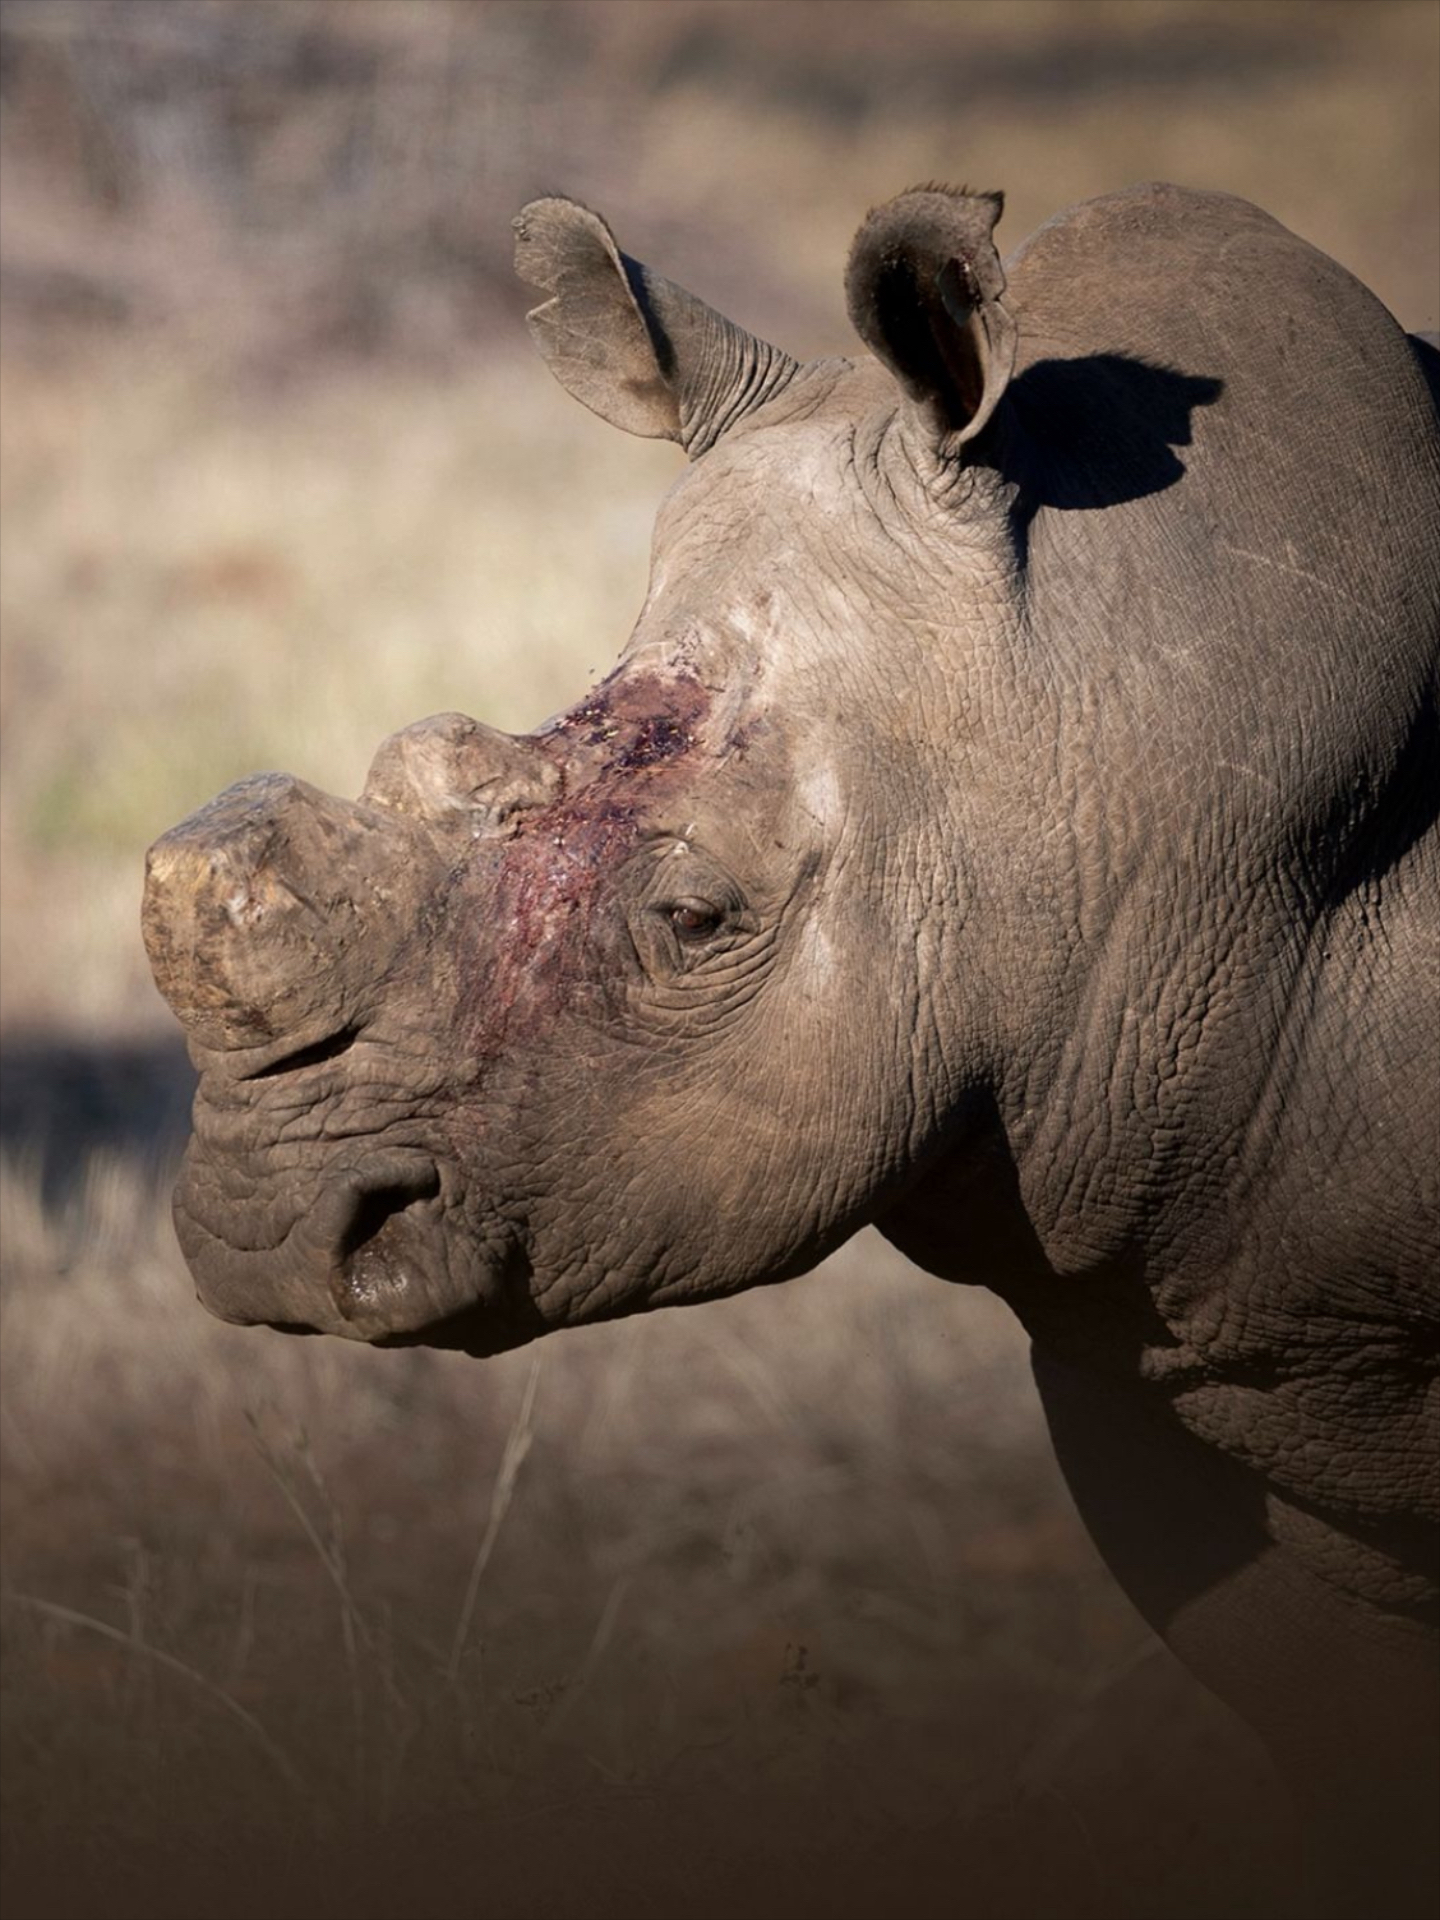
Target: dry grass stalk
517 1445
72 1617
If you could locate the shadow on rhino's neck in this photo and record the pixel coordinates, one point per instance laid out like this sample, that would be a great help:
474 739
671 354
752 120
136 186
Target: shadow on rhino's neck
1079 435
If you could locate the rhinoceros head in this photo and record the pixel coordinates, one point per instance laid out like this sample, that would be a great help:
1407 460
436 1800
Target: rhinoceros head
634 1009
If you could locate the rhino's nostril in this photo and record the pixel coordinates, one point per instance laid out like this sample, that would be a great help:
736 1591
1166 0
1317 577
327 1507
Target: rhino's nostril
383 1244
375 1210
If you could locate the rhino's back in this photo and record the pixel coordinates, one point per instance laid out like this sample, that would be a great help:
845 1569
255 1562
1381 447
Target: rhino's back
1230 463
1158 271
1312 422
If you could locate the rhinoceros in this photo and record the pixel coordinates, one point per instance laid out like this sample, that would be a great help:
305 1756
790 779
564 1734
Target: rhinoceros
1012 823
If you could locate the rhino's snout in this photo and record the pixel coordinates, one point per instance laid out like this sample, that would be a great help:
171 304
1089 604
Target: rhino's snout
271 911
363 1252
369 1253
293 935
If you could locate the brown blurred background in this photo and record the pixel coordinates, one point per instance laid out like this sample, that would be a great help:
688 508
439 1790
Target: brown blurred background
280 475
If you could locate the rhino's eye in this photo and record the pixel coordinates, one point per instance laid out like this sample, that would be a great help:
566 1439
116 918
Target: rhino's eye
694 919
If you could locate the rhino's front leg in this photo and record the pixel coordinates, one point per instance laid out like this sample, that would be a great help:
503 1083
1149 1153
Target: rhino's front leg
1344 1692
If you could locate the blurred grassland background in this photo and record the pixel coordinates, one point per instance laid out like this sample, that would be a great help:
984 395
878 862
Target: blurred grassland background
775 1608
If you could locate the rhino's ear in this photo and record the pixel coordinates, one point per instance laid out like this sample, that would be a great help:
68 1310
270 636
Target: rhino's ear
636 349
923 286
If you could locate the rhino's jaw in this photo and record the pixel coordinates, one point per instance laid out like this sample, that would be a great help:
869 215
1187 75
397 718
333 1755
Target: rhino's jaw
371 1248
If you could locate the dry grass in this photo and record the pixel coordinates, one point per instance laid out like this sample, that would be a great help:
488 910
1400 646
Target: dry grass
373 1625
676 1624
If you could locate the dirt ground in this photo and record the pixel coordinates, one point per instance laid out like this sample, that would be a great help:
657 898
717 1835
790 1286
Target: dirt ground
653 1620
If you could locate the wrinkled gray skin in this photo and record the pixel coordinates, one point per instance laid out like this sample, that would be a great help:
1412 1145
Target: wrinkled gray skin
1012 822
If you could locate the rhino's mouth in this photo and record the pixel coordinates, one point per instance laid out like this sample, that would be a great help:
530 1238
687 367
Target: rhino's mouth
367 1250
